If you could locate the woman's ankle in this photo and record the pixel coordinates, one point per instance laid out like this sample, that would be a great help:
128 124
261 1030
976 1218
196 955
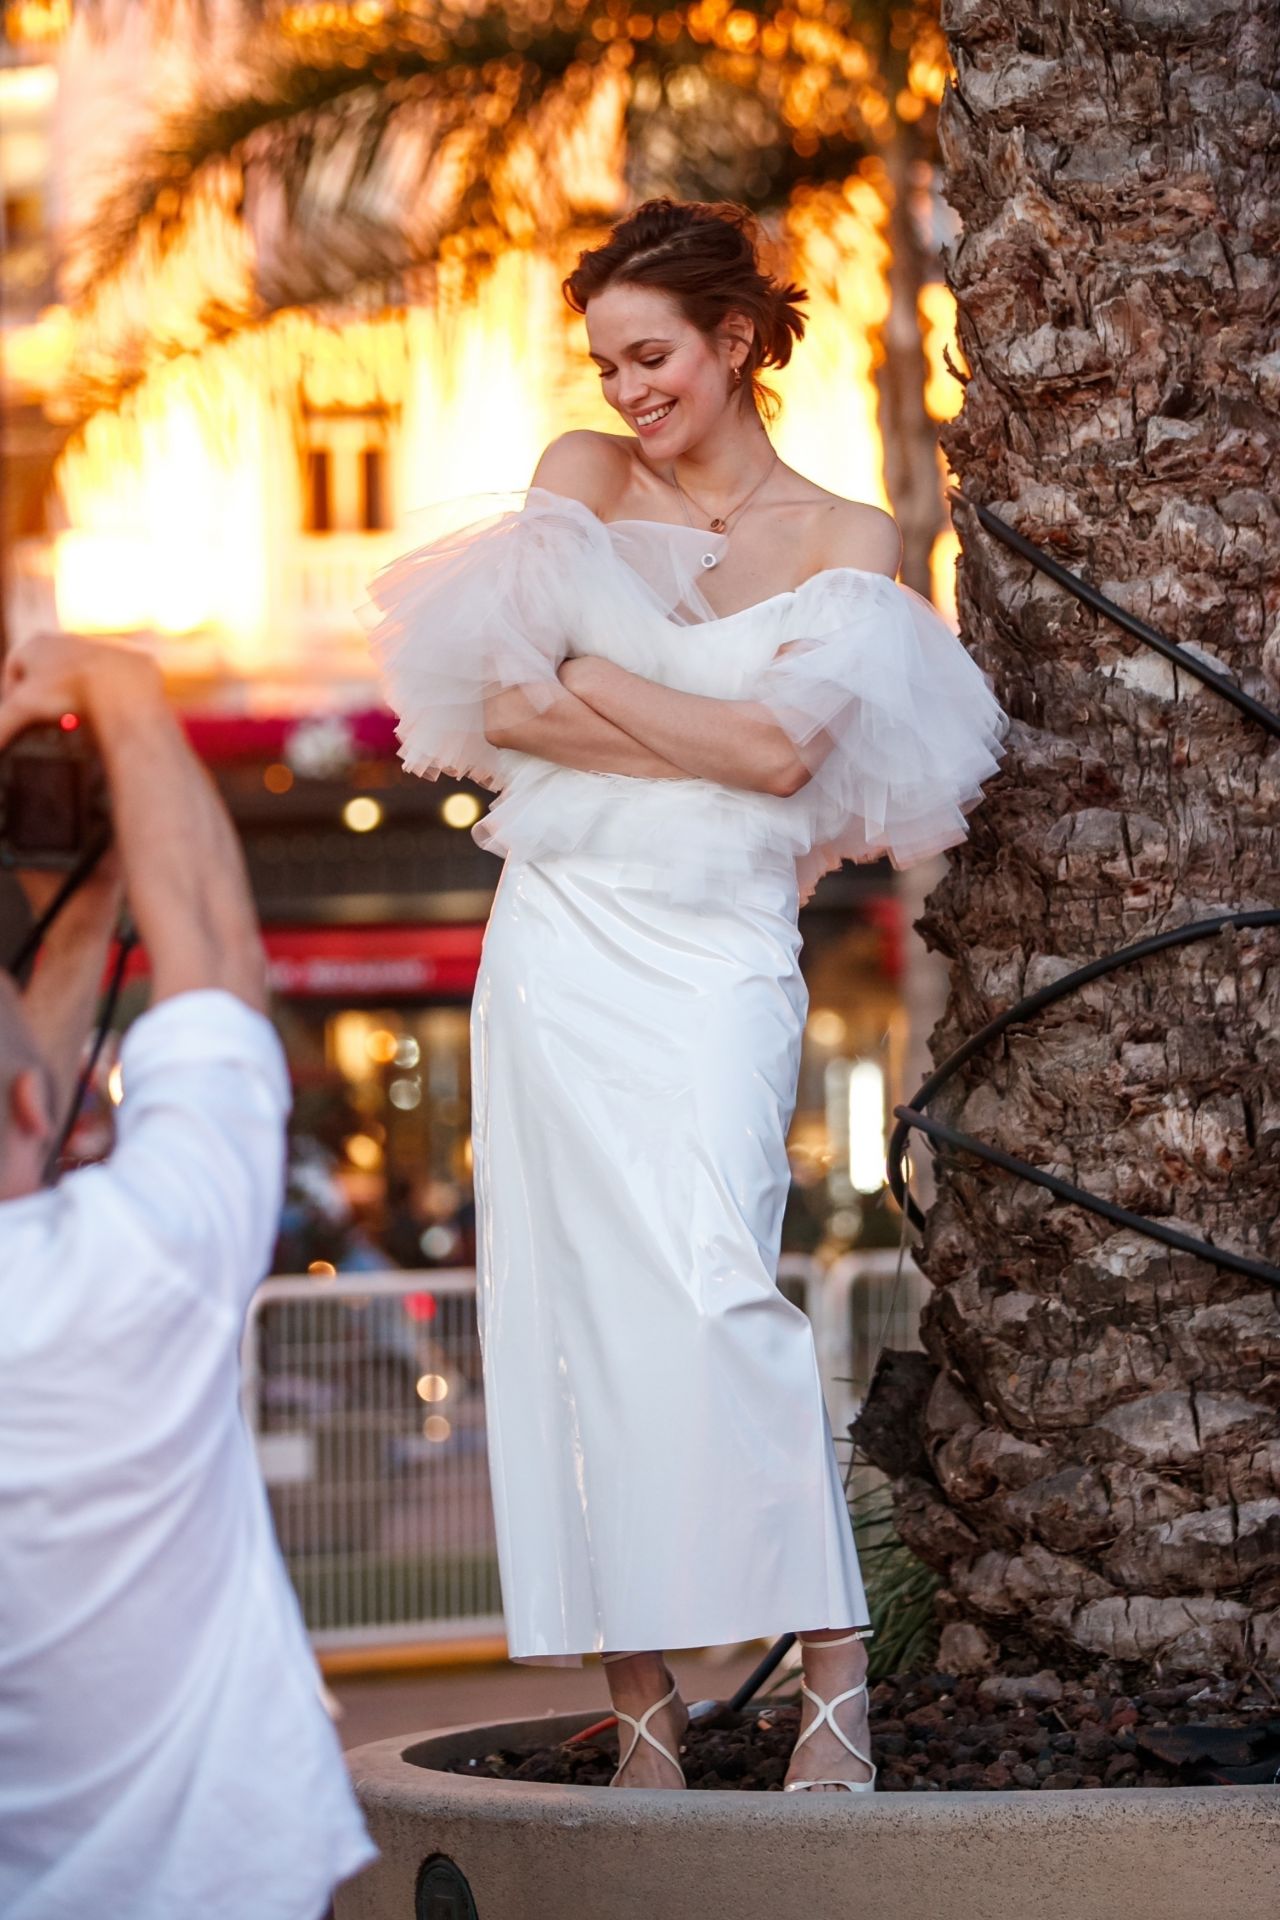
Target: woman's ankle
637 1676
833 1636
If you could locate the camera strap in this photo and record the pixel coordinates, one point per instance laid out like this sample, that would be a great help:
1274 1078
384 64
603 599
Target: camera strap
21 963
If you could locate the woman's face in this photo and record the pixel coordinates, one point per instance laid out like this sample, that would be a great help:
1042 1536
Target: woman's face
666 378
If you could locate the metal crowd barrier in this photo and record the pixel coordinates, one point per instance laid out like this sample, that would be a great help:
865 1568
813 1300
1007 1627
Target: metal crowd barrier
364 1396
857 1305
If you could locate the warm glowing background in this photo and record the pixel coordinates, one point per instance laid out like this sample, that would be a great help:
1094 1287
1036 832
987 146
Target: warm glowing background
239 462
278 277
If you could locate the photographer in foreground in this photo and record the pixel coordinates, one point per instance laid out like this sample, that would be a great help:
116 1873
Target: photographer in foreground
163 1748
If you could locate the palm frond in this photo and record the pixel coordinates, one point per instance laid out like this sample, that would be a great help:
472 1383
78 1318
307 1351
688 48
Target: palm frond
900 1590
740 101
341 159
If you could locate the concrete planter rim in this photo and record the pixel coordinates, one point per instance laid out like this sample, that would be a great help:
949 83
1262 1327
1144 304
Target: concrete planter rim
399 1770
529 1850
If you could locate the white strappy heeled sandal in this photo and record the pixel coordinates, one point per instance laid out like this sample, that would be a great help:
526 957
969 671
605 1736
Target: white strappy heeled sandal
640 1728
825 1717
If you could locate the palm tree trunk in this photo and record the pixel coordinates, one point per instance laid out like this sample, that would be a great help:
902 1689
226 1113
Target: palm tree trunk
913 480
1098 1452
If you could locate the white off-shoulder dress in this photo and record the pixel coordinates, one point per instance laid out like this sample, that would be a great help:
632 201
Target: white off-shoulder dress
662 1465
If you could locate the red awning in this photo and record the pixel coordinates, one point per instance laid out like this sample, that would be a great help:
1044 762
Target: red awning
394 963
328 962
219 737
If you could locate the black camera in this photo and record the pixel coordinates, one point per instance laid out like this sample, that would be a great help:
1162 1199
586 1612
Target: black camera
53 797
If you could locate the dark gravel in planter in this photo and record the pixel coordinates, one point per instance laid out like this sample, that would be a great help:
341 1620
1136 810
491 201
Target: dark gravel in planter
935 1733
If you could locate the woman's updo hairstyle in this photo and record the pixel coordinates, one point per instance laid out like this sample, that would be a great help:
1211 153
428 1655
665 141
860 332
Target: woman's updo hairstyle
706 258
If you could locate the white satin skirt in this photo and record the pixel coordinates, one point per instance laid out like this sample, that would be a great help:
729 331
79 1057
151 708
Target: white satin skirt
662 1464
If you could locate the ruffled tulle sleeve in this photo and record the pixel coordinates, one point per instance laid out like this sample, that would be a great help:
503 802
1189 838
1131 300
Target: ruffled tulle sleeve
897 725
485 606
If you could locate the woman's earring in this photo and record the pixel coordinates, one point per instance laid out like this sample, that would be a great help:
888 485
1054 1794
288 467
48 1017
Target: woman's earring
737 376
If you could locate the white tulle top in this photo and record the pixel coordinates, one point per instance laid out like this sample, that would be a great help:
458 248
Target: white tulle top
897 725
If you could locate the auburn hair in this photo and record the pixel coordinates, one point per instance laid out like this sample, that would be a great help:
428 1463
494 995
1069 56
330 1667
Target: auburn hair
706 257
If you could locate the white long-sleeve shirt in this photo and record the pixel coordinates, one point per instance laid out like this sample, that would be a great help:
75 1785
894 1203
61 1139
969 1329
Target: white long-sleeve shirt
163 1748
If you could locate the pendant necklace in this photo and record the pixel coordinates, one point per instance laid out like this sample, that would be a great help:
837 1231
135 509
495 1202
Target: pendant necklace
719 523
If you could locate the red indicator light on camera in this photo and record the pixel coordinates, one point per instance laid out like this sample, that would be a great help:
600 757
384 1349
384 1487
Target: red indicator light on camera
69 722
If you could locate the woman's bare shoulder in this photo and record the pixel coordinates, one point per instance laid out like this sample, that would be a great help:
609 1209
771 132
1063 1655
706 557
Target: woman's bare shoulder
848 533
586 466
856 534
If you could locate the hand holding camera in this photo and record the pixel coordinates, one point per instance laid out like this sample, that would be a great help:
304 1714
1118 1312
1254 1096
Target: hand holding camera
59 674
129 764
53 800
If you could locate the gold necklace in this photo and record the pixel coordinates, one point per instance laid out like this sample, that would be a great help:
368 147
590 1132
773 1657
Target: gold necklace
719 523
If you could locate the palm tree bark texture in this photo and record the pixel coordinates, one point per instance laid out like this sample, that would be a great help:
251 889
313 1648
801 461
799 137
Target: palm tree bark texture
1090 1452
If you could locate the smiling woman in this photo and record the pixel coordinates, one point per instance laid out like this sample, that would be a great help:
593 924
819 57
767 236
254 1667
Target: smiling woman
675 773
703 261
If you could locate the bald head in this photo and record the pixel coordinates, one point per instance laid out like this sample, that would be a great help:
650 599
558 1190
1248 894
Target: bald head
25 1098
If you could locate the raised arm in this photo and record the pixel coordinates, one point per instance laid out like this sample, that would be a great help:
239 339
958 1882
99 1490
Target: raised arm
183 870
62 996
